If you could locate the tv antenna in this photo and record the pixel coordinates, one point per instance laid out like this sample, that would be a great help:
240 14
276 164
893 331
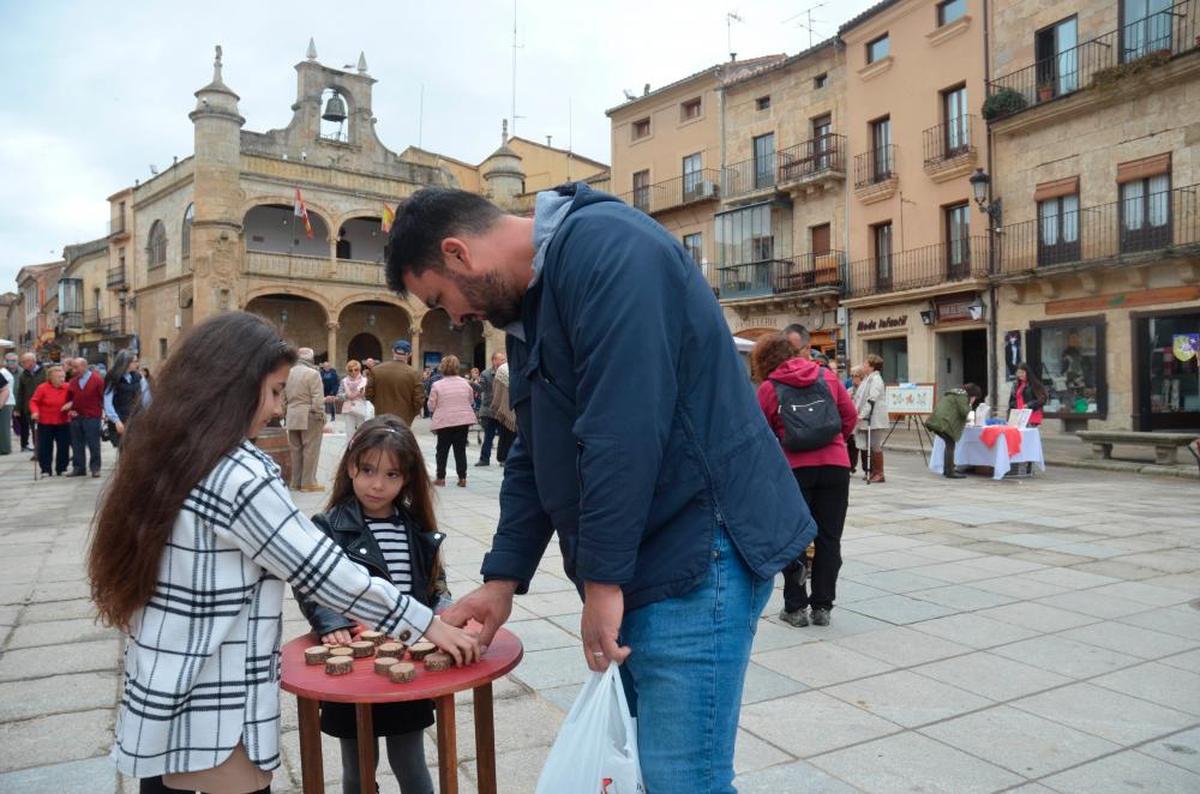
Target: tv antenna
515 47
808 22
730 18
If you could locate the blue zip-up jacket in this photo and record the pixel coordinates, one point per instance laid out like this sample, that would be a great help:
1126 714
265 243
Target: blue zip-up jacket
638 431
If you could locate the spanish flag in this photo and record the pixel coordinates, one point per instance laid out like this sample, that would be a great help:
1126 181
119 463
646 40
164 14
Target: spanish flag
389 217
300 211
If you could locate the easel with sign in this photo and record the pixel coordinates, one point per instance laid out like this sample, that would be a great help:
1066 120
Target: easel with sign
906 402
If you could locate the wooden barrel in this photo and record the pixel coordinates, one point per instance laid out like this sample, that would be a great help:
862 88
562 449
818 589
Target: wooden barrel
273 441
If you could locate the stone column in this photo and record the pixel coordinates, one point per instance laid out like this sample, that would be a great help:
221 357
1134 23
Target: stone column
332 327
415 360
494 341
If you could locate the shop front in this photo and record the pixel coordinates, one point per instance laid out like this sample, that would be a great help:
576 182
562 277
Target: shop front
1167 370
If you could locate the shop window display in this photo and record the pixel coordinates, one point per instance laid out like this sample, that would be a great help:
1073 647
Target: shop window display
1070 362
1173 370
894 353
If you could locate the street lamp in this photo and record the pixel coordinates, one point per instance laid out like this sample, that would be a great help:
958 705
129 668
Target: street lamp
980 183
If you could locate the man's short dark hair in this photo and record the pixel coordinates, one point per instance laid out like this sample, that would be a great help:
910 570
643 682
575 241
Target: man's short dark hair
425 219
797 328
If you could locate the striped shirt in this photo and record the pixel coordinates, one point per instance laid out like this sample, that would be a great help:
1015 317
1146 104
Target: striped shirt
392 537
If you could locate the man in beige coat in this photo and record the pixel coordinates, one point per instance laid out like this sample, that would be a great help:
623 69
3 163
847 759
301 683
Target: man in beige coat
304 401
394 387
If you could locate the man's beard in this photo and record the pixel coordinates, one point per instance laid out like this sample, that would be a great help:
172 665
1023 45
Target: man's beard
491 296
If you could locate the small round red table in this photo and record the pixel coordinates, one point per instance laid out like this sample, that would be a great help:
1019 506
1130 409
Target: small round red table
364 686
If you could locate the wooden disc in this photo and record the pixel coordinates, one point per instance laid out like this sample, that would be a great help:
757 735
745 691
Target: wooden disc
383 663
402 672
422 649
316 655
393 649
361 649
438 661
373 636
341 650
339 665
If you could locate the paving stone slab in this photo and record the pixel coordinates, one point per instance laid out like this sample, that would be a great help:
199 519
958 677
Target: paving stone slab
1125 772
795 776
1158 683
60 610
93 776
752 753
1132 640
69 633
821 664
21 700
903 646
962 598
907 699
1110 715
1181 621
810 723
973 630
1066 657
1040 618
901 610
991 676
42 741
1181 749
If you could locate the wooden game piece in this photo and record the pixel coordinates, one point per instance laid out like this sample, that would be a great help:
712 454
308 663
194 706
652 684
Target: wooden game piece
421 649
384 663
341 650
339 665
373 636
361 649
316 654
438 661
402 672
394 649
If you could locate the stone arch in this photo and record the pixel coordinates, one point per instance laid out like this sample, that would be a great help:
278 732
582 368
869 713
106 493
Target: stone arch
291 291
439 338
373 315
363 346
301 319
382 297
327 213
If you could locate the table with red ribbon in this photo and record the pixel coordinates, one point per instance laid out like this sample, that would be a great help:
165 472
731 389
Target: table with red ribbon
998 446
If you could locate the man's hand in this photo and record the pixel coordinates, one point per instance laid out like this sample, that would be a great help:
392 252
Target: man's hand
490 605
603 609
120 427
460 644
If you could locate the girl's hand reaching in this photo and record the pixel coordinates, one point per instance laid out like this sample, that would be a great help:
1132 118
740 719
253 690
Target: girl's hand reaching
339 637
459 643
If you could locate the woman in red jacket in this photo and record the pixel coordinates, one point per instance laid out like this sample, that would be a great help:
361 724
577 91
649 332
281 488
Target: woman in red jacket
48 407
823 474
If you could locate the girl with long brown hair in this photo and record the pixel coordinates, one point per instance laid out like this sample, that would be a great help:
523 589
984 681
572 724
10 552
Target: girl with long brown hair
381 515
192 544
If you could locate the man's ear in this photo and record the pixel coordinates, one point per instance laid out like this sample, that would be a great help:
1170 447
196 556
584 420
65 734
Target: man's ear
455 252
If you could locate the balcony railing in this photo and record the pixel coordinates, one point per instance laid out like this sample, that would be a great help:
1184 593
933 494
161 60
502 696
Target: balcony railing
1096 61
778 276
749 176
318 268
950 140
116 225
824 154
679 191
919 267
116 277
94 321
874 166
357 271
70 320
1104 232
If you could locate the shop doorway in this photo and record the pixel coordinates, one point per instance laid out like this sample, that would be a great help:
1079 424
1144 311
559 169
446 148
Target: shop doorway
894 353
962 358
1167 372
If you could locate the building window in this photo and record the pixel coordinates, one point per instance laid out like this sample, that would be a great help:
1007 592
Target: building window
958 240
690 110
881 239
763 103
693 177
121 259
1068 357
156 246
878 49
894 353
1145 27
641 190
822 137
881 149
694 244
1058 230
1146 214
820 80
185 236
950 10
162 349
1057 59
753 234
641 129
957 138
764 160
819 239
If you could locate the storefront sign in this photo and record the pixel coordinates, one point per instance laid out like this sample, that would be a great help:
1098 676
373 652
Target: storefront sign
954 309
883 324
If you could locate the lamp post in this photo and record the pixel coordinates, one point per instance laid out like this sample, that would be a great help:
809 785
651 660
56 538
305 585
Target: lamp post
981 186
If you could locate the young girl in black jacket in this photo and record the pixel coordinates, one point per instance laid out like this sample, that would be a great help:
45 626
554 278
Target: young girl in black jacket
381 513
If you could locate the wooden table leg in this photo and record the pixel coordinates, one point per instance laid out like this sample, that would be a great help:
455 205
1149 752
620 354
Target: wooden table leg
312 771
447 739
485 740
366 748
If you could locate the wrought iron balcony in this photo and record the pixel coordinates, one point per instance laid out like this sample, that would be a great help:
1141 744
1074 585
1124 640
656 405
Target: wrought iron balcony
811 160
750 176
874 166
676 192
1096 62
953 139
116 226
1103 233
780 276
116 277
919 267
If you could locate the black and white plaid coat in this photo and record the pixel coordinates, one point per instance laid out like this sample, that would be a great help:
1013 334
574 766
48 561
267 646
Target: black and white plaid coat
202 659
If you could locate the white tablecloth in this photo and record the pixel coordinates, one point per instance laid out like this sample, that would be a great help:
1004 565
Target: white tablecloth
971 451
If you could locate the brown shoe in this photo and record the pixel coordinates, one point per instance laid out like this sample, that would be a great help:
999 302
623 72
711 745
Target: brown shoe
877 467
462 483
439 482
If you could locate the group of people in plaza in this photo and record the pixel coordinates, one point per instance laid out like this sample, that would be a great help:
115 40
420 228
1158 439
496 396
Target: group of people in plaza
62 410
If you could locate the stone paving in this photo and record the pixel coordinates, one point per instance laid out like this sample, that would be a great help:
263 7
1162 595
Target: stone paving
1039 635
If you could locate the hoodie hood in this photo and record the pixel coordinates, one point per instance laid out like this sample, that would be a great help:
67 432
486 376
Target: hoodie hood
797 372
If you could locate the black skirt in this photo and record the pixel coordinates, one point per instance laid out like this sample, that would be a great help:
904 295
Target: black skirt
388 719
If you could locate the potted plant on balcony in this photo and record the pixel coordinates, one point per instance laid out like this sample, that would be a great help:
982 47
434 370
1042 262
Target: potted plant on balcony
1002 103
1045 91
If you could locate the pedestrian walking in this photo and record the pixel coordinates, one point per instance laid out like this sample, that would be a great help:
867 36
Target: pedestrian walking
813 416
639 445
487 417
86 396
381 510
126 391
330 384
856 445
8 401
872 418
48 409
200 700
29 377
450 401
356 408
948 419
304 398
506 420
394 387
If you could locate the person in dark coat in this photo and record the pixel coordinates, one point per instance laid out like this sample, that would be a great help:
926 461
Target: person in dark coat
29 376
948 419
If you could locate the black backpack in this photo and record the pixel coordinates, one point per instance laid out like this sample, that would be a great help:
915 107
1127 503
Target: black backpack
809 415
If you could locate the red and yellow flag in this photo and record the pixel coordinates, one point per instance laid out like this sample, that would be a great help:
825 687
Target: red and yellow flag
389 217
301 211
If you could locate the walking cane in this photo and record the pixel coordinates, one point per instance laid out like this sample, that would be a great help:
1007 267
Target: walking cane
870 457
33 434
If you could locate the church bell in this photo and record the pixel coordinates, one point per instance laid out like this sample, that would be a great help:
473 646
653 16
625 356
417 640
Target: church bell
335 109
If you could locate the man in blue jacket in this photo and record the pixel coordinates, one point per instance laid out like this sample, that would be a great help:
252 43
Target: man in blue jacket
639 442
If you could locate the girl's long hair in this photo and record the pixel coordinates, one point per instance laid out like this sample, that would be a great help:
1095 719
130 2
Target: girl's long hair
389 434
118 369
208 394
1039 390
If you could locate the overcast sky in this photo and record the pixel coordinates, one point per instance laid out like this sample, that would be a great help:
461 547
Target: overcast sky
97 92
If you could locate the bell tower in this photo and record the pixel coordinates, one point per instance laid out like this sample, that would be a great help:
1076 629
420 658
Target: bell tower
217 127
332 105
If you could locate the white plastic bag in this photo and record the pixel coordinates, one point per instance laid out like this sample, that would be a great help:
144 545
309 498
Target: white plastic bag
596 749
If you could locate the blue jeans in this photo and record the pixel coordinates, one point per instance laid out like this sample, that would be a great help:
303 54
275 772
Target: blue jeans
684 678
489 434
85 440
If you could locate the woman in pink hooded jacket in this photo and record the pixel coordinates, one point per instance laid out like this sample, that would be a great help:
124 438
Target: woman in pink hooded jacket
452 402
823 475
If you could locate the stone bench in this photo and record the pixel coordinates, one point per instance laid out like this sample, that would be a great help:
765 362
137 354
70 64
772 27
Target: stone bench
1166 445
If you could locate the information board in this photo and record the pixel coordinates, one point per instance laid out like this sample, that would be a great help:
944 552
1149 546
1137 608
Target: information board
909 398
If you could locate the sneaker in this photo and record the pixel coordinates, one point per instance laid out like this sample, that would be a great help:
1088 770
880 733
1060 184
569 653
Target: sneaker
482 463
820 617
799 618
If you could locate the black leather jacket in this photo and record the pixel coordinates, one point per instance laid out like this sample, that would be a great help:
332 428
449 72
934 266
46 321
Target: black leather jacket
345 525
